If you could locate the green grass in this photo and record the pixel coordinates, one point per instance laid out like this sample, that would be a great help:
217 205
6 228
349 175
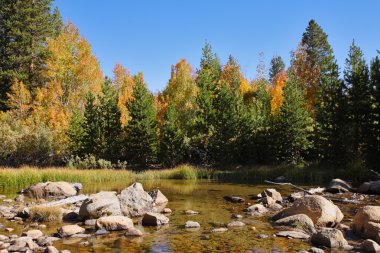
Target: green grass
23 177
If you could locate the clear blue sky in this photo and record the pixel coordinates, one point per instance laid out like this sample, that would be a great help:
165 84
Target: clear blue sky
150 36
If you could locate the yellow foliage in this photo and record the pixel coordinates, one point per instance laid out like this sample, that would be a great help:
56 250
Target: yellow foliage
72 72
277 91
124 85
19 100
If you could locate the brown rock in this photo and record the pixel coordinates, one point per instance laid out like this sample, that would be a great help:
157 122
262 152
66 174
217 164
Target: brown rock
329 237
367 222
112 223
69 230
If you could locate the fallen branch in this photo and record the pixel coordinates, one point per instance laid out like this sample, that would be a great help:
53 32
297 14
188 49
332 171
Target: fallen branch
376 173
289 184
69 200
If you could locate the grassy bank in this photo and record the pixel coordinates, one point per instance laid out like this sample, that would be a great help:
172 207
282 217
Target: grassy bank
23 177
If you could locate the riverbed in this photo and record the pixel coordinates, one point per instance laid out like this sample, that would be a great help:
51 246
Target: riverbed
205 197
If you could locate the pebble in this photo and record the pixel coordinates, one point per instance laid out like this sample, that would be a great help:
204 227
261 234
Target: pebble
219 230
191 212
192 224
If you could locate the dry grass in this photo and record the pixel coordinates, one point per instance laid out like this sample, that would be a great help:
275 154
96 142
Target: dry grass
44 213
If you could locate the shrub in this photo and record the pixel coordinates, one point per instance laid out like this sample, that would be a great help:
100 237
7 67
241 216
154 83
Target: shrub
45 213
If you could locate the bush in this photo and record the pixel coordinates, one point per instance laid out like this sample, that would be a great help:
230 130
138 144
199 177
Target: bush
45 213
90 162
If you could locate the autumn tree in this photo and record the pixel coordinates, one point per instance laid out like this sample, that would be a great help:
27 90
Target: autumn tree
181 91
141 134
277 91
72 72
124 86
25 27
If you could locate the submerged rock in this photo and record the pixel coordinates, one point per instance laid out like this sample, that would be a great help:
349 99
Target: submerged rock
191 212
192 224
219 230
100 204
134 201
134 232
329 237
154 219
320 210
293 234
112 223
367 222
235 224
234 199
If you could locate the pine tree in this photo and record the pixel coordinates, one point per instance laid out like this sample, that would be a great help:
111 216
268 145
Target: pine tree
172 139
276 66
25 27
110 124
141 143
292 126
356 76
374 133
203 128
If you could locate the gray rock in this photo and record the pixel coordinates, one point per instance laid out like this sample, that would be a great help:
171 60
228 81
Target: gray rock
235 224
100 204
46 240
329 237
154 219
192 224
367 222
134 201
158 197
167 210
301 221
90 222
219 230
191 212
273 193
80 236
372 187
293 234
338 186
34 234
320 210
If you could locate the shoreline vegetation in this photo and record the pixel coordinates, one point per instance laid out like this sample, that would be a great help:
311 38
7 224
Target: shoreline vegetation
22 177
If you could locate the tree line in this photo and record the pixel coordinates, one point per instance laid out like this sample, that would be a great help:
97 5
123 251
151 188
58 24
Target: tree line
57 107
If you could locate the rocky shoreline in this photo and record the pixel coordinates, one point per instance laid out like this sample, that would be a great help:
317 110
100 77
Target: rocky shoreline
308 215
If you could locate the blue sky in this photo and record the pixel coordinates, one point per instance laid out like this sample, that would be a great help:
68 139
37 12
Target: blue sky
151 35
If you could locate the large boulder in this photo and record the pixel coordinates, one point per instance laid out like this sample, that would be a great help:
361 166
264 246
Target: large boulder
100 204
370 246
329 237
154 219
320 210
112 223
372 187
338 186
56 189
134 201
300 221
367 222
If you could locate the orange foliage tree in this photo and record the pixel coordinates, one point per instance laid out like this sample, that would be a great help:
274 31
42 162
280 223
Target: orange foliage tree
72 72
277 91
123 82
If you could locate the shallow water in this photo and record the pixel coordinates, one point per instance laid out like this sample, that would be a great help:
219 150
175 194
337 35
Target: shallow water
205 197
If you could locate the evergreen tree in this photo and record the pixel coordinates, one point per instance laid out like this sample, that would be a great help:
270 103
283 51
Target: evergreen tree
109 116
25 27
374 133
141 143
292 126
172 138
203 128
276 66
356 76
91 126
